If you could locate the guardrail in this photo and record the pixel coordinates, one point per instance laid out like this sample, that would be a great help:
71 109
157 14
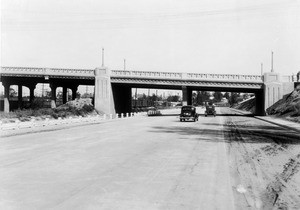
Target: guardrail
70 121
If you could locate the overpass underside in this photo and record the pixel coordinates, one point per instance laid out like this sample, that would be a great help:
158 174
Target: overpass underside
122 88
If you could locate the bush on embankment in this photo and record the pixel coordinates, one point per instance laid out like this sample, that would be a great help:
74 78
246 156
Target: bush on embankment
66 110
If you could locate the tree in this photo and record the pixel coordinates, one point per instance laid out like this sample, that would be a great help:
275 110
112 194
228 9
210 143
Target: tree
48 94
227 95
201 97
87 95
78 95
246 96
173 98
234 98
217 96
12 93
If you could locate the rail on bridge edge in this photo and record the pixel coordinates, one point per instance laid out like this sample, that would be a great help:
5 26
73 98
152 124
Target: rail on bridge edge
126 73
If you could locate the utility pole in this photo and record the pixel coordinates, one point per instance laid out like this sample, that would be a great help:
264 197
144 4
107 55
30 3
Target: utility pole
124 64
261 68
272 70
102 57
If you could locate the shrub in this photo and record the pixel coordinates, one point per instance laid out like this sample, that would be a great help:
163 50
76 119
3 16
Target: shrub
88 108
37 103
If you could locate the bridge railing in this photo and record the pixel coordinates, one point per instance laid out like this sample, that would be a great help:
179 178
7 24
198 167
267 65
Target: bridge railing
48 71
288 78
133 74
231 77
150 74
190 76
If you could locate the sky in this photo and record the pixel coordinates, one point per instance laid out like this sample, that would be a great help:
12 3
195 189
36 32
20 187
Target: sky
207 36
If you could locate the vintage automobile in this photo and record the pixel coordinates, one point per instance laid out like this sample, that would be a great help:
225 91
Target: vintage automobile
188 113
210 109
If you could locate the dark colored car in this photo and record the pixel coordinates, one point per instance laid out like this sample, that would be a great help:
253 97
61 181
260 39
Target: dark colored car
188 113
210 109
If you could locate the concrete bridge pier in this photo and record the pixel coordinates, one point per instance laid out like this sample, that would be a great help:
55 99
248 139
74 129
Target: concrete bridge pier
74 91
6 96
103 94
186 96
31 93
65 95
53 95
20 94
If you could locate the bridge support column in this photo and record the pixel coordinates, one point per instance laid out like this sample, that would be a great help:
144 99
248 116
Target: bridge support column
186 96
20 93
103 97
31 94
74 91
53 95
122 98
64 95
6 97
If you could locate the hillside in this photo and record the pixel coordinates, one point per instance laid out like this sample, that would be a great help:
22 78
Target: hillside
288 107
247 105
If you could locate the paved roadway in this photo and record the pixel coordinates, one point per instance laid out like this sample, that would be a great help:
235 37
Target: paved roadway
134 163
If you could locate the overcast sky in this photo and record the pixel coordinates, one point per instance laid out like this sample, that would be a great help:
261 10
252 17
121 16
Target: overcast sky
207 36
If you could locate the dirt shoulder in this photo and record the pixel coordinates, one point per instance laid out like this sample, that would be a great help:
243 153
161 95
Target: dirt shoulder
265 162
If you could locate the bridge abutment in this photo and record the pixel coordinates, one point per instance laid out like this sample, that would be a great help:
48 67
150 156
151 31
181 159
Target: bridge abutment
275 87
272 88
103 95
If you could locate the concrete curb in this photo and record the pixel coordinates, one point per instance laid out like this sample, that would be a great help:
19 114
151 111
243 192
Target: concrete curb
294 128
279 124
20 128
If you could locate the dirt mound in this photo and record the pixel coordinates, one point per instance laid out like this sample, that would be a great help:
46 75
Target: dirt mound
78 103
289 106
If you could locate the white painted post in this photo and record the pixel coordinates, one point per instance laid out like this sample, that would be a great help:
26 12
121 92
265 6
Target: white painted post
18 124
127 114
32 123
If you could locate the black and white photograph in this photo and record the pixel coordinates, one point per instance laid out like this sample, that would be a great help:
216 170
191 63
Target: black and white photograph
150 105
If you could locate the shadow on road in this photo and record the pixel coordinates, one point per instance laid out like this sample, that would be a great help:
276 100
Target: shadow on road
235 132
